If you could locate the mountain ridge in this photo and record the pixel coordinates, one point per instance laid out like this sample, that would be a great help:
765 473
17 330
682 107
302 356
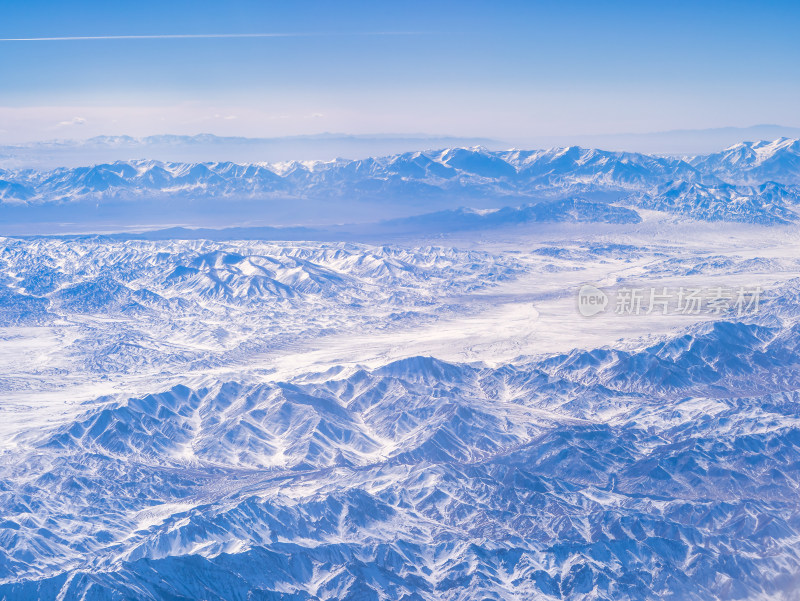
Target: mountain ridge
728 186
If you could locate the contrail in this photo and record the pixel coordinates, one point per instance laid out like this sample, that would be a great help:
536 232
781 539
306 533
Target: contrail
189 36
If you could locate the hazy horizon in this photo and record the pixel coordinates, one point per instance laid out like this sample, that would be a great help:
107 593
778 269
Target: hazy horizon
326 146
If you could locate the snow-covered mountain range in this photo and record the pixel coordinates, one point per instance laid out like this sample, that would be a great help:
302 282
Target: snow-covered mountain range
423 416
753 163
430 480
766 177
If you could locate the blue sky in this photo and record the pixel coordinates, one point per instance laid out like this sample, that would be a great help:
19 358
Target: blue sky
496 69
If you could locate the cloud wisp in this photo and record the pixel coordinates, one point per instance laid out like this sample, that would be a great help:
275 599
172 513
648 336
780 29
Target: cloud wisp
73 121
200 36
